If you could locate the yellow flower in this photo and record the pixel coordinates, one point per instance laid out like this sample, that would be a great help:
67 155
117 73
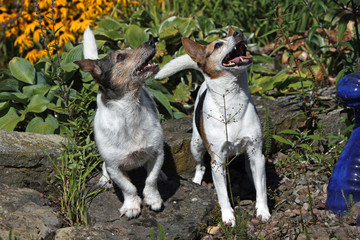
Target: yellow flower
22 41
65 37
32 56
31 27
37 35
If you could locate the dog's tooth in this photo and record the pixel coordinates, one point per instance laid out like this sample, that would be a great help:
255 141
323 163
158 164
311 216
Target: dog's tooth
241 59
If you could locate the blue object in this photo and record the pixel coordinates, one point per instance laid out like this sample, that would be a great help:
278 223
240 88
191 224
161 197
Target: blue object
345 179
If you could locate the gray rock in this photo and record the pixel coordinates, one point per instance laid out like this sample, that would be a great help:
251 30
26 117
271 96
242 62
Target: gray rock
177 136
84 233
23 212
23 158
187 207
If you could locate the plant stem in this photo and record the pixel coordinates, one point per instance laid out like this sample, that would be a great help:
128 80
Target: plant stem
227 151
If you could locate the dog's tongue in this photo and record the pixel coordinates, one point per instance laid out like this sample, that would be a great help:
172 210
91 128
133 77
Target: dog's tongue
240 59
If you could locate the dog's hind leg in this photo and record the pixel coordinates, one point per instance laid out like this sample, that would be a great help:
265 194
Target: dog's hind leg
104 181
132 202
257 166
151 193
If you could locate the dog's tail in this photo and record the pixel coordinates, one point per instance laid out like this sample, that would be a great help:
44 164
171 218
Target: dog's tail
89 45
176 65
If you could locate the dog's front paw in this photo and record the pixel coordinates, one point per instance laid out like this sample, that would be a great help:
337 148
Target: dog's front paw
131 207
228 217
153 199
104 182
263 212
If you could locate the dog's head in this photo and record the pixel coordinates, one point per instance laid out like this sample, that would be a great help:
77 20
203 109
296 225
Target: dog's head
221 56
123 70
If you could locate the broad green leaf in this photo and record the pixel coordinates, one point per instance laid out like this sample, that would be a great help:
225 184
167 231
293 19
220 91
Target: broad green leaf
10 84
173 28
178 115
110 23
22 69
39 89
4 105
162 99
9 121
205 24
38 125
135 36
37 104
15 96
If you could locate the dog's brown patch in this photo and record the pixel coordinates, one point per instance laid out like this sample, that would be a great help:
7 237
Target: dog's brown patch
203 136
136 159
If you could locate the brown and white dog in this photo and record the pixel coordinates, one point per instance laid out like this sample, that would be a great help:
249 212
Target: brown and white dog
225 120
128 133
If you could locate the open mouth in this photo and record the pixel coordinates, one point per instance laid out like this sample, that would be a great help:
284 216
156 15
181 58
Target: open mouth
237 57
147 67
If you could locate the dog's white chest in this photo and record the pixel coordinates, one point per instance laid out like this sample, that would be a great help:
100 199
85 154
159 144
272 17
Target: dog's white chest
122 128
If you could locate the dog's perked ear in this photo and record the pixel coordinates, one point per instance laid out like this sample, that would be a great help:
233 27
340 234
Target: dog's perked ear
230 32
90 66
195 50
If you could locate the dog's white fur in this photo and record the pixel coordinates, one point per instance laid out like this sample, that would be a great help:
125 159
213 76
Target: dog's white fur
128 126
229 92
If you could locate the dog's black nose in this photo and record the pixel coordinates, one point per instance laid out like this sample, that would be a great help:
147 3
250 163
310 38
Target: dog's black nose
238 33
150 43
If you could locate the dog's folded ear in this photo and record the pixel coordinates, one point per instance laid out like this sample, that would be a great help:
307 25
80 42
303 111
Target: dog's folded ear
90 66
195 50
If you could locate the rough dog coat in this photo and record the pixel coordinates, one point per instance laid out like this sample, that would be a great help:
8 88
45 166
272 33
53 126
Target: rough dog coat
225 120
128 133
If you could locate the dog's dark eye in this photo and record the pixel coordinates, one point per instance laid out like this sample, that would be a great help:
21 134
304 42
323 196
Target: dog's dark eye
218 44
120 57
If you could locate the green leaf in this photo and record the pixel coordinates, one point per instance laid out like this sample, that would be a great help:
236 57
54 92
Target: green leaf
37 104
22 69
342 25
306 147
15 96
174 27
11 85
282 140
182 92
38 125
316 137
39 89
4 105
162 99
205 24
110 23
178 115
135 36
9 121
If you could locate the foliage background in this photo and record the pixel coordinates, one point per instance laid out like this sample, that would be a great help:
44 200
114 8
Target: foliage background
296 45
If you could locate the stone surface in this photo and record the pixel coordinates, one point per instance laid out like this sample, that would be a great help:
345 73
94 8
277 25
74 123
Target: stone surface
186 208
84 233
23 211
23 158
177 136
